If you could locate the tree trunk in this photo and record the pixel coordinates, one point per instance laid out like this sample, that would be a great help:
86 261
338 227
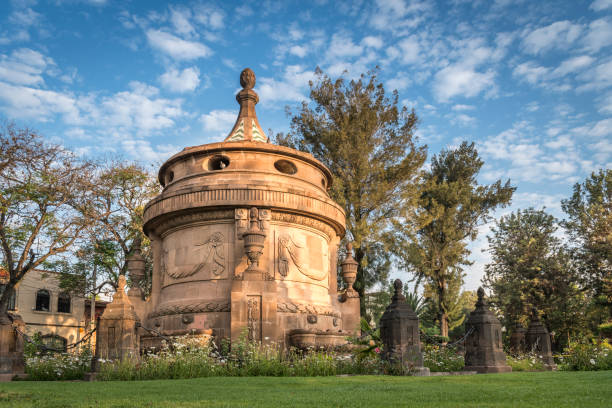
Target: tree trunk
4 299
443 317
359 254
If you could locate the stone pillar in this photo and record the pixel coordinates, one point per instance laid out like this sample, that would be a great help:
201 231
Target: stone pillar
483 347
12 361
517 339
136 270
349 300
537 340
117 335
399 332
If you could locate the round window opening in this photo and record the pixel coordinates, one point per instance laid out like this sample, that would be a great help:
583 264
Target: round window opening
218 163
170 177
285 166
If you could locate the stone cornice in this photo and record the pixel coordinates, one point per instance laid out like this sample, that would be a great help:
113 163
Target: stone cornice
324 210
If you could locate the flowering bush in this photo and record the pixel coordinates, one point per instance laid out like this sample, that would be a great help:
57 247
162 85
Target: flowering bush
525 362
189 360
586 356
58 366
438 358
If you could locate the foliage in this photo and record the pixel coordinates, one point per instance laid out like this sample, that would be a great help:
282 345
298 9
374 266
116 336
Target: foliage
605 329
244 358
442 359
368 143
369 344
451 207
58 366
122 191
525 362
45 202
531 268
583 355
589 225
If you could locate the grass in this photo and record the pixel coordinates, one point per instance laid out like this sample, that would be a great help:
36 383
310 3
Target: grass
545 389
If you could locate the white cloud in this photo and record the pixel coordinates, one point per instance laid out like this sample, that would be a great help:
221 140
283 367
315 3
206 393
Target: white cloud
460 107
605 106
372 42
210 16
289 88
398 15
458 80
599 35
343 46
400 81
143 150
572 65
599 5
244 11
560 34
598 77
186 80
179 17
463 120
410 50
24 66
176 47
298 50
22 102
219 122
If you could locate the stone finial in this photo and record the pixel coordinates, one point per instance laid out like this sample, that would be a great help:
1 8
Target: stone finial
349 272
480 293
247 128
247 78
398 296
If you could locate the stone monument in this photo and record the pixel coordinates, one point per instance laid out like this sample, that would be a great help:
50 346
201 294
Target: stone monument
483 347
517 339
117 336
537 340
12 360
245 241
399 332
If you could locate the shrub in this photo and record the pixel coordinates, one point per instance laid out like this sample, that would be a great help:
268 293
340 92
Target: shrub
525 362
583 355
605 329
58 366
438 358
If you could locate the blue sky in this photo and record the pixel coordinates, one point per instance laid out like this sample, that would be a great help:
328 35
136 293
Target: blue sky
529 81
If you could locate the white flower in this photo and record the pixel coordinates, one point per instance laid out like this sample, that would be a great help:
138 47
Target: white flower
592 361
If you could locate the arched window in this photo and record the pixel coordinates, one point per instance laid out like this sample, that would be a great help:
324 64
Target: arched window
43 299
63 303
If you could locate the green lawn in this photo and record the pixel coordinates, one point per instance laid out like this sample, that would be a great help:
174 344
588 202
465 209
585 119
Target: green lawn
549 389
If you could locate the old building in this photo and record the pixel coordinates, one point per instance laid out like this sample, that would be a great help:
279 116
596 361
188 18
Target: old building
245 240
57 315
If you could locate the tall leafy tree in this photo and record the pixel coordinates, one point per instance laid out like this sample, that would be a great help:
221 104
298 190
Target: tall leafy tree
589 224
122 191
451 207
532 268
46 196
367 141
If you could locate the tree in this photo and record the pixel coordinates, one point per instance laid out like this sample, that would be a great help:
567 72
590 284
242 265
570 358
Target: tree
532 268
589 226
368 143
122 191
45 203
450 209
460 305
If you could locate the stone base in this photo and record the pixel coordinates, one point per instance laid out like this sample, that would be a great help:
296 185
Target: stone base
11 377
421 372
90 376
489 369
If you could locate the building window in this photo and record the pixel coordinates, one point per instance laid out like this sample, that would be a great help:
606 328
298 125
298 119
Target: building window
43 299
54 341
63 303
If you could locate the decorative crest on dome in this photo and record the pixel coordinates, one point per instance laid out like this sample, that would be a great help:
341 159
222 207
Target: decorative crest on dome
247 126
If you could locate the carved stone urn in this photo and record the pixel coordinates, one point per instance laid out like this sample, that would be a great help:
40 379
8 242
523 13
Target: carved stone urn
349 272
254 242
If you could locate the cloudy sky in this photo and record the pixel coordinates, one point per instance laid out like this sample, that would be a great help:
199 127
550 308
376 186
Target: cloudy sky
529 81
